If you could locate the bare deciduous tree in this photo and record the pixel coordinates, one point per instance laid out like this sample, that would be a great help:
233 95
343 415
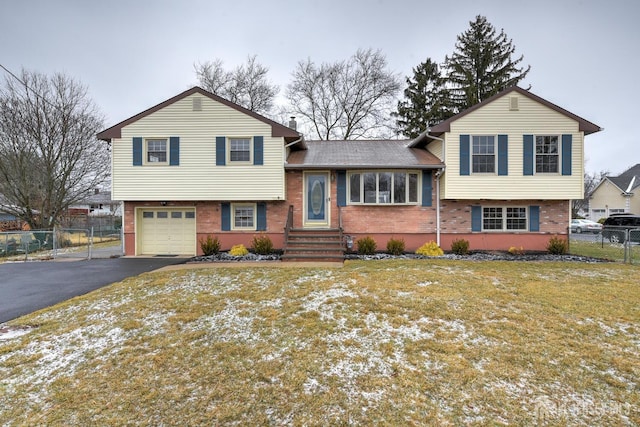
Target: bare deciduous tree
247 85
50 157
347 99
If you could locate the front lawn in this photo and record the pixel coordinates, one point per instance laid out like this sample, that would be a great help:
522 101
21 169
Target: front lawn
422 342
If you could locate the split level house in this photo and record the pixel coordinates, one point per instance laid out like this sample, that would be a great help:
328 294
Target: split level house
500 174
614 194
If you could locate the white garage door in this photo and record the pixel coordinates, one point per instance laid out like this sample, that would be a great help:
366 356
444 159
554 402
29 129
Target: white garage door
163 231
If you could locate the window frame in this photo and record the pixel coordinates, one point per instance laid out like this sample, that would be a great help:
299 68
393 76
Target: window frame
558 154
504 219
254 209
230 139
381 201
146 153
494 139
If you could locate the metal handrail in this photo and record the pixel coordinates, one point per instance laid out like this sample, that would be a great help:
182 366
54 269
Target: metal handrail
288 226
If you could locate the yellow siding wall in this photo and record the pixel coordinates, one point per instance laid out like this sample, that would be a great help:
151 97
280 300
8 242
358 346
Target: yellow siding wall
197 177
608 196
496 118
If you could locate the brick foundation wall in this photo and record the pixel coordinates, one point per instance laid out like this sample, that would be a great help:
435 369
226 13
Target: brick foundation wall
415 224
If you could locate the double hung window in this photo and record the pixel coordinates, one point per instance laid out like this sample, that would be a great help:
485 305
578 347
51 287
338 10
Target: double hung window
497 218
156 151
483 154
240 149
547 154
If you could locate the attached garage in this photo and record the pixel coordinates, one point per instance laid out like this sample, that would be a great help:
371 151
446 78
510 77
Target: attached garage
166 231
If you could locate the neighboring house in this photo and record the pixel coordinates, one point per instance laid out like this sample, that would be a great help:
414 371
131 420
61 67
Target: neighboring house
614 194
97 204
499 174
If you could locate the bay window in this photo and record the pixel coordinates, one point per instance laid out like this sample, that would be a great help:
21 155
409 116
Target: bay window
383 188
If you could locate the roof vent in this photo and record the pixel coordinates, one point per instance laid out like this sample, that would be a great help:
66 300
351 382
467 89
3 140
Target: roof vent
292 123
197 104
513 103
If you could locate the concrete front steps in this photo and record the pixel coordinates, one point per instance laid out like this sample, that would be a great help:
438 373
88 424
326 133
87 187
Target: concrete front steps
313 245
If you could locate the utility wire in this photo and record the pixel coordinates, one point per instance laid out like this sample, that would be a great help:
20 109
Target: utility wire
28 87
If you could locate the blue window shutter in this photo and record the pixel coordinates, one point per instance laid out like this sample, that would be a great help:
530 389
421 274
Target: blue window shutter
137 151
528 155
503 154
258 150
566 154
225 209
261 222
534 218
342 187
221 151
476 218
174 151
464 154
427 188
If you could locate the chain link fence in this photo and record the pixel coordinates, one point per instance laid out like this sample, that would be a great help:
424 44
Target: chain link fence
615 243
67 243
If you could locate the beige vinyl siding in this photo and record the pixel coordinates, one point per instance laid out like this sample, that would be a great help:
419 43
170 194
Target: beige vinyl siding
435 148
607 196
496 118
197 177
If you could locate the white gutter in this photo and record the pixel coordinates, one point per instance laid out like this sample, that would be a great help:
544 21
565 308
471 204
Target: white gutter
284 154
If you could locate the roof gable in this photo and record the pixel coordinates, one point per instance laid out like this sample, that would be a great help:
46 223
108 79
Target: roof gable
627 180
277 130
445 126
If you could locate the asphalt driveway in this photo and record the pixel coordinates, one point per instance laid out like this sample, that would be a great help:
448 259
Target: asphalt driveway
29 286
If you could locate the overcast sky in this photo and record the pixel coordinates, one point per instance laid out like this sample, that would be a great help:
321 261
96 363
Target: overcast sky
584 54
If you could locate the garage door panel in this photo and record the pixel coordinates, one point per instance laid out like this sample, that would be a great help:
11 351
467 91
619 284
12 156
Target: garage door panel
163 231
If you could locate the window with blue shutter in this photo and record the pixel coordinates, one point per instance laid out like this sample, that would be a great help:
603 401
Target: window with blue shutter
341 177
503 154
534 218
258 150
464 154
566 154
225 210
174 151
528 156
476 218
261 222
221 152
427 188
137 151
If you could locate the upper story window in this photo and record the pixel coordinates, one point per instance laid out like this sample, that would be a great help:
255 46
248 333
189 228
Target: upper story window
483 154
383 188
239 149
547 154
156 151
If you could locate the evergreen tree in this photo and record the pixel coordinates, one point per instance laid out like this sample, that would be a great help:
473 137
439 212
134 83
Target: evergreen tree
425 101
481 65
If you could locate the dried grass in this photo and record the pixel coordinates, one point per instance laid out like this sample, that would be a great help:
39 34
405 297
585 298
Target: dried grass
387 342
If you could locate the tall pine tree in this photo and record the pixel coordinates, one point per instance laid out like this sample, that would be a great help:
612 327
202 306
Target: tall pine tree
426 101
481 65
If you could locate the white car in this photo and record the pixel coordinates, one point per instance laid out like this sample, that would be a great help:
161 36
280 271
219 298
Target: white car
585 225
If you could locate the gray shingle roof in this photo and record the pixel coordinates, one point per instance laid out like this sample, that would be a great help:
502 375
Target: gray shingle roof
624 180
392 154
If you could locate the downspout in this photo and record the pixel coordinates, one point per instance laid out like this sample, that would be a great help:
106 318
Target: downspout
438 175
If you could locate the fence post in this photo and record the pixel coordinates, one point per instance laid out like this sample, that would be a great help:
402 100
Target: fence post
55 241
90 241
